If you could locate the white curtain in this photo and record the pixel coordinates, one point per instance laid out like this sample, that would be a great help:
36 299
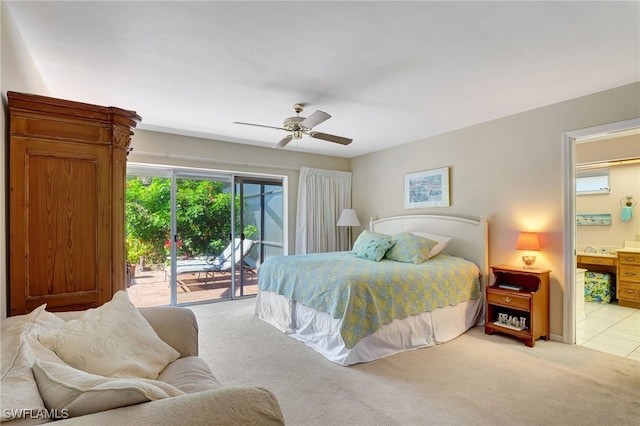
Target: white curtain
322 194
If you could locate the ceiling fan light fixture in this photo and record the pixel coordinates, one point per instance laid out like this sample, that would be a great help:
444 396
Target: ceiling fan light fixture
298 126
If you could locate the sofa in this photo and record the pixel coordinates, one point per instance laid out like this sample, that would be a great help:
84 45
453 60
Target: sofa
43 378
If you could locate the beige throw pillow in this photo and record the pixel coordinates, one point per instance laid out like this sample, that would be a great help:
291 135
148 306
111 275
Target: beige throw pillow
113 340
68 392
20 348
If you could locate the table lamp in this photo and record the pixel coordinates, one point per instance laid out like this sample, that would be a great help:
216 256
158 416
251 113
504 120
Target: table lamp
528 241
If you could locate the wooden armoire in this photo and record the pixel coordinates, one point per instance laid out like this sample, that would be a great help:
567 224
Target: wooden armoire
67 171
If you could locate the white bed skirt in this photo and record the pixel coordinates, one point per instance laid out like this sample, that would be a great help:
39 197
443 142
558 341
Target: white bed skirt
321 332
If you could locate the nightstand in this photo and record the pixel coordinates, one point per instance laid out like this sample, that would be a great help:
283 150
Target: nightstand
518 303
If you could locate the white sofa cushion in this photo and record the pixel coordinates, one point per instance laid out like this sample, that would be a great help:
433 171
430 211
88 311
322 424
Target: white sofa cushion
20 348
68 392
189 374
113 340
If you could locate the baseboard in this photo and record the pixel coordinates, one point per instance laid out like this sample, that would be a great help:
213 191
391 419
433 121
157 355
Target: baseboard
556 338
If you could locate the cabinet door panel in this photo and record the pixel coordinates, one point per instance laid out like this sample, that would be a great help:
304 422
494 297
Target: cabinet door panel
63 202
64 254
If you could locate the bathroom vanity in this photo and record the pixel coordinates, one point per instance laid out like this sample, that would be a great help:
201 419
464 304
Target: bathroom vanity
624 266
628 273
598 288
598 262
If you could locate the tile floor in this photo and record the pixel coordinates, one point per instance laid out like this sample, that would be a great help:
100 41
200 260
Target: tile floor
610 328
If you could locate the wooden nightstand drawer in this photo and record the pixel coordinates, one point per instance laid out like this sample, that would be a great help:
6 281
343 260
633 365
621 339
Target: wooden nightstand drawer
597 260
629 273
511 300
629 290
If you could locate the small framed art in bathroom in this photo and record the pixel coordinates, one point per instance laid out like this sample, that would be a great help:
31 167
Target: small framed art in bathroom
603 219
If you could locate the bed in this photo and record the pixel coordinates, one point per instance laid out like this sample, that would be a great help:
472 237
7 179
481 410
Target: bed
351 309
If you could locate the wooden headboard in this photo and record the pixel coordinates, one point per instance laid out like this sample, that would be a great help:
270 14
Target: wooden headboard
470 238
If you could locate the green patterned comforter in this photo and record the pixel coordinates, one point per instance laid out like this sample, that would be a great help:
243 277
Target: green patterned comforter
366 294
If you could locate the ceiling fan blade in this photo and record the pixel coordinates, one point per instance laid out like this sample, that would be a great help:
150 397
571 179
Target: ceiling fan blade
258 125
331 138
283 142
314 119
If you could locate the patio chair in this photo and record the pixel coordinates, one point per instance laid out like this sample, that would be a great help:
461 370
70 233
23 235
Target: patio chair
210 265
242 250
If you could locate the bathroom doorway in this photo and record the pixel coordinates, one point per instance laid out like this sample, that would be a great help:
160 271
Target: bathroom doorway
571 247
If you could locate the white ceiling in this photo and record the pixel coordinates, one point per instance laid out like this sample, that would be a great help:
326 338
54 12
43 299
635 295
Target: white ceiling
388 72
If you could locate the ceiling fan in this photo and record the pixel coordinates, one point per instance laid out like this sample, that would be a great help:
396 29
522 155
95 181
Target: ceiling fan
298 126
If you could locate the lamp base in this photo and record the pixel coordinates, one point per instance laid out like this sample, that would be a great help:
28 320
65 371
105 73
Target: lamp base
528 261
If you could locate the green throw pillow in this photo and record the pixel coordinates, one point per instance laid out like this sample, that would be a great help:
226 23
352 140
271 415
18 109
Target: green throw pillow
364 238
375 248
410 248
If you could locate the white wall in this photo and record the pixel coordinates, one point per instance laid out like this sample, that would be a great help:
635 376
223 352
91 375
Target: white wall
510 170
607 149
18 73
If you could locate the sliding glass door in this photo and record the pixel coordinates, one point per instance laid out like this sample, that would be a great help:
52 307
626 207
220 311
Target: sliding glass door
261 222
203 238
197 236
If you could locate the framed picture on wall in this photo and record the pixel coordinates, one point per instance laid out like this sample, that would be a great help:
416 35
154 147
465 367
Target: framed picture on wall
603 219
426 189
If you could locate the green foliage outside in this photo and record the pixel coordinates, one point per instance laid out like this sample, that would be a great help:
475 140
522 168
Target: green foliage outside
203 209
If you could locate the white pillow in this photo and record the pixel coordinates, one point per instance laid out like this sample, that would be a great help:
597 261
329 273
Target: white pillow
113 340
69 392
20 348
440 239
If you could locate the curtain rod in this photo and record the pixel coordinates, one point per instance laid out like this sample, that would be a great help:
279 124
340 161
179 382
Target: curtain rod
612 163
213 161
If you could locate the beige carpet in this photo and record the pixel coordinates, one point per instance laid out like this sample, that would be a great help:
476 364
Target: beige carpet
475 379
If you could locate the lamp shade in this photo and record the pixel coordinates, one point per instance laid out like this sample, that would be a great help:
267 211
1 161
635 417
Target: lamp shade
348 217
528 241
